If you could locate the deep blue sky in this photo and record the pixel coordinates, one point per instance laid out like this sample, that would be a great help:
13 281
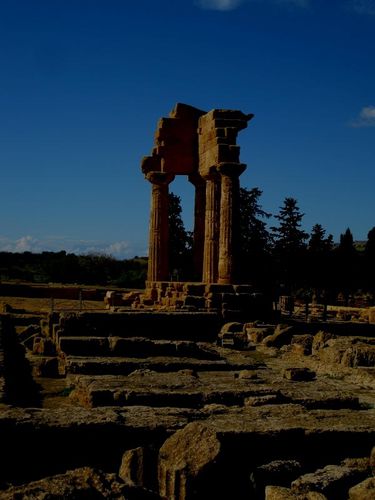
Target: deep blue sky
83 83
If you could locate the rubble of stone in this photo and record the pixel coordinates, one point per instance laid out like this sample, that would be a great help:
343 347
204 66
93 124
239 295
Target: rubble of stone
173 411
79 483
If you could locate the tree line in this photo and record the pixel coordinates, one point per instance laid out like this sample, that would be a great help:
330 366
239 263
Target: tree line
63 267
282 259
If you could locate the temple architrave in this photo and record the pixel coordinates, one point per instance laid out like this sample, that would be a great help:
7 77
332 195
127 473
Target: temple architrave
201 146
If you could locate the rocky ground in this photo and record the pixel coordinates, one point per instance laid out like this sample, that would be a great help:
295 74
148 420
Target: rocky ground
143 405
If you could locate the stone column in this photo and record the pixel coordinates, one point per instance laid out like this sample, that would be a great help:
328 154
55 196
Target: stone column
158 240
211 234
229 220
199 220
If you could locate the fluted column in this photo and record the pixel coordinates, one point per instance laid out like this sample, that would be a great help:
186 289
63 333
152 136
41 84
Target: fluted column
158 240
229 220
211 233
199 220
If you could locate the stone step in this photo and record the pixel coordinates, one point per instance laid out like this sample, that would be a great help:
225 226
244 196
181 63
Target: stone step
198 326
124 365
183 389
134 347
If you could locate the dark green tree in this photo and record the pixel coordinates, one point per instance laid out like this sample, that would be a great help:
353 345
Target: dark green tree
253 229
319 262
254 240
318 242
346 245
288 236
368 263
347 265
370 243
289 246
180 241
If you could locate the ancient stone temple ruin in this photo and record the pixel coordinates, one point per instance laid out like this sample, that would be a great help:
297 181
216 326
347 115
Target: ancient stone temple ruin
201 146
190 392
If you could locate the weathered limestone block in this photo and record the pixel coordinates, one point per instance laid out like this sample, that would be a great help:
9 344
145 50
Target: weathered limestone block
6 308
364 490
333 481
231 327
278 473
29 332
196 289
320 341
113 298
42 345
283 335
299 374
348 351
213 300
269 399
247 375
132 466
372 461
257 333
232 333
79 483
302 344
281 493
44 366
334 350
219 288
194 301
129 298
286 303
186 462
359 355
230 299
243 289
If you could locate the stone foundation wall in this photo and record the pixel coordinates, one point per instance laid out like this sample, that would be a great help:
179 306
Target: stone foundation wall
230 301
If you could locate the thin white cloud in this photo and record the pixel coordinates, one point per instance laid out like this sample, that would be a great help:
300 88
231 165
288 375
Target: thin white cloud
227 5
219 4
26 243
366 7
366 118
118 249
297 3
23 244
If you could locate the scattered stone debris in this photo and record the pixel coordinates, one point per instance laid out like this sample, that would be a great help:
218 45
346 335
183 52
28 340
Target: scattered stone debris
79 483
299 374
132 386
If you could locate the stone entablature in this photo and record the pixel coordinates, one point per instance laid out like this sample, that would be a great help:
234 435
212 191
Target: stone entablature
202 146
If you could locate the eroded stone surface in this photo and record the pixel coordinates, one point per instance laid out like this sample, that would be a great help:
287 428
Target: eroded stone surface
187 460
239 395
79 483
282 493
364 490
333 480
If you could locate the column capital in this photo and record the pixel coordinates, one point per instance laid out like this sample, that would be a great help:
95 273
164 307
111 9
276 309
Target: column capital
196 179
231 169
212 175
159 178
